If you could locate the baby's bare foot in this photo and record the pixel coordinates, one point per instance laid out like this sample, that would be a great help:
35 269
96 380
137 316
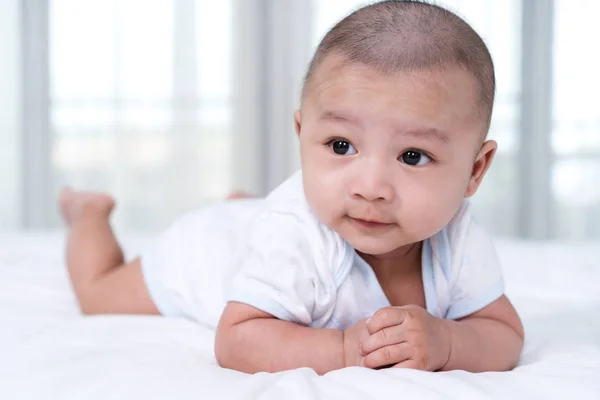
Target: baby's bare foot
74 204
237 195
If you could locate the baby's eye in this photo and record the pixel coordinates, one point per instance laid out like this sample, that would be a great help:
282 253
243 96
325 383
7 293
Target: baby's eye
342 147
415 158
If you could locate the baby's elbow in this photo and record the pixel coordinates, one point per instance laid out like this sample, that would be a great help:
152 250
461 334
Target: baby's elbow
231 350
229 345
234 334
518 342
224 347
520 330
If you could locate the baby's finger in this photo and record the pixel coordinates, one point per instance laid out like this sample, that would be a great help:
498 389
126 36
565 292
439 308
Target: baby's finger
410 364
385 317
384 337
387 355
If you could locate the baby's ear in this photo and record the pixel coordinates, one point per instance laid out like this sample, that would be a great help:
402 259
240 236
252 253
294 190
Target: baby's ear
297 121
481 165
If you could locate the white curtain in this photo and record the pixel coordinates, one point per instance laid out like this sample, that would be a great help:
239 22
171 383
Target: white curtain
141 104
10 115
575 140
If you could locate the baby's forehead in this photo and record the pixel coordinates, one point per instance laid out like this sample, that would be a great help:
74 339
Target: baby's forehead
434 96
339 78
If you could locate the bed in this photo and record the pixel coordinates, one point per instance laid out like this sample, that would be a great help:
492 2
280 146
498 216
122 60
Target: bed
49 351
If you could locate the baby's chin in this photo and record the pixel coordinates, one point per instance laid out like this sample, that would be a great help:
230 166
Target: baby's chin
375 246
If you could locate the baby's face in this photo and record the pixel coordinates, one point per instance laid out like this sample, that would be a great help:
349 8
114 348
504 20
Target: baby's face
387 160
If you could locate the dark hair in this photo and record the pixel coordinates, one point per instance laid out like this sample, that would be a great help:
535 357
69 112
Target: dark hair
396 35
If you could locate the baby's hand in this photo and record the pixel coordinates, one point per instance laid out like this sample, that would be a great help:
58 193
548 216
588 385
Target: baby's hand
353 337
406 337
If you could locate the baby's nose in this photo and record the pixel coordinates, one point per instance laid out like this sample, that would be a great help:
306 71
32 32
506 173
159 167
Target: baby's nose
372 184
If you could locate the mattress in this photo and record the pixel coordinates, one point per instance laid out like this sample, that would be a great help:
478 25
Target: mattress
49 351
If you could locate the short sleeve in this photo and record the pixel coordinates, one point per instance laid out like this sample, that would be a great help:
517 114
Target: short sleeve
476 275
288 267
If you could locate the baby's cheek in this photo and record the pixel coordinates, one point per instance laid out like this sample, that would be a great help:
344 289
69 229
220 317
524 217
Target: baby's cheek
323 187
320 201
428 215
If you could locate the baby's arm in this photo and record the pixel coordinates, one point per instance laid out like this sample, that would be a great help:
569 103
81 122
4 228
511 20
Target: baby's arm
250 340
492 337
488 340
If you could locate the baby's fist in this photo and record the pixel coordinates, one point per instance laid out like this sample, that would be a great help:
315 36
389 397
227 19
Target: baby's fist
407 337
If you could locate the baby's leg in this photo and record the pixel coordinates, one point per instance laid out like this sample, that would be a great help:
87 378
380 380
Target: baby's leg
102 282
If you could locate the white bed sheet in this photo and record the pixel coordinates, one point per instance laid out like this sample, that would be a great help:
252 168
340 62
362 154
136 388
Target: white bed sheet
48 351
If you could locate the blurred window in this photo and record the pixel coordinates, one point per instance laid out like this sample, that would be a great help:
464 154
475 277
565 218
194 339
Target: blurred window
140 103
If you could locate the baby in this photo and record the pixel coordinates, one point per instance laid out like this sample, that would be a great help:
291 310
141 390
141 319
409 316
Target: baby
369 255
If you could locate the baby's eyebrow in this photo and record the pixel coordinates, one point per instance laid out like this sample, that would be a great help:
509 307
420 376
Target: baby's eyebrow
425 133
336 116
428 134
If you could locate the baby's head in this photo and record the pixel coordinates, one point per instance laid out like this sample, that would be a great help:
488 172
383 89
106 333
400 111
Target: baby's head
395 111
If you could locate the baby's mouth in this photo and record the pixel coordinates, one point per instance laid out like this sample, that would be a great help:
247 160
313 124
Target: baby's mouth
369 224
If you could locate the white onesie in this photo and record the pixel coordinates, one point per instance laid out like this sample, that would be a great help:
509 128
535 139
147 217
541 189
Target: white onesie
274 255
